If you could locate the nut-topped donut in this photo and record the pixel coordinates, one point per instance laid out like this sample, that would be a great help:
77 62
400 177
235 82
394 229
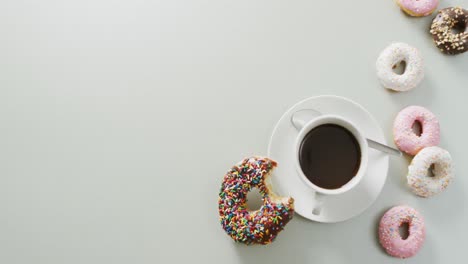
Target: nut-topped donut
252 227
443 26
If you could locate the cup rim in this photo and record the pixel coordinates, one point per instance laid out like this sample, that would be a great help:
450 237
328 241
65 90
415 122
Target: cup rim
356 133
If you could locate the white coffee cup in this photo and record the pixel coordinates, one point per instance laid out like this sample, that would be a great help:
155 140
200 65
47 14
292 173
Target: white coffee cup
305 121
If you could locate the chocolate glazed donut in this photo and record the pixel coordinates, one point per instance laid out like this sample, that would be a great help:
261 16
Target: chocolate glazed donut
449 30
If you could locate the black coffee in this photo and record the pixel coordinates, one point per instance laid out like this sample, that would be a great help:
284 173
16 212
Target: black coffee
329 156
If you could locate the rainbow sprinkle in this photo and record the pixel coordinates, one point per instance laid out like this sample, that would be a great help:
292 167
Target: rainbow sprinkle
252 227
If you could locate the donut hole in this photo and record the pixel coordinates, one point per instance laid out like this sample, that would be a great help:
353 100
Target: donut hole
403 230
417 128
430 171
254 200
458 28
399 68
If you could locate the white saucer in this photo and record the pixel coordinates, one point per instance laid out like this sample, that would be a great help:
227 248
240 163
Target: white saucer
287 182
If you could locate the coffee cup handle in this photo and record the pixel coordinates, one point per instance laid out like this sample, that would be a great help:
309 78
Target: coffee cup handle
300 118
319 200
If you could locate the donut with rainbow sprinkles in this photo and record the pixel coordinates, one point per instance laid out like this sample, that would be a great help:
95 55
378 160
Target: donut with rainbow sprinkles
241 224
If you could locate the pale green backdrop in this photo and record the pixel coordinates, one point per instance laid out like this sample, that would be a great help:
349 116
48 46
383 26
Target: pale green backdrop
119 118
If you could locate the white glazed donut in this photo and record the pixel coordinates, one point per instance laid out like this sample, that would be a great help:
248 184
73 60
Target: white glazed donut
423 185
392 56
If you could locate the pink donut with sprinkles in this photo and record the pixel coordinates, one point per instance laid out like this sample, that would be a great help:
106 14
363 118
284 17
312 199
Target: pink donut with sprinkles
404 136
241 224
389 235
418 8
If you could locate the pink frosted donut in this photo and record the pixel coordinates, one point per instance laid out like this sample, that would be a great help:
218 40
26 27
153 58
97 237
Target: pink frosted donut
404 136
418 7
389 235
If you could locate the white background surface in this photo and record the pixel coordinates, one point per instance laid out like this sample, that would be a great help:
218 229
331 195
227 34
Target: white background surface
118 120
